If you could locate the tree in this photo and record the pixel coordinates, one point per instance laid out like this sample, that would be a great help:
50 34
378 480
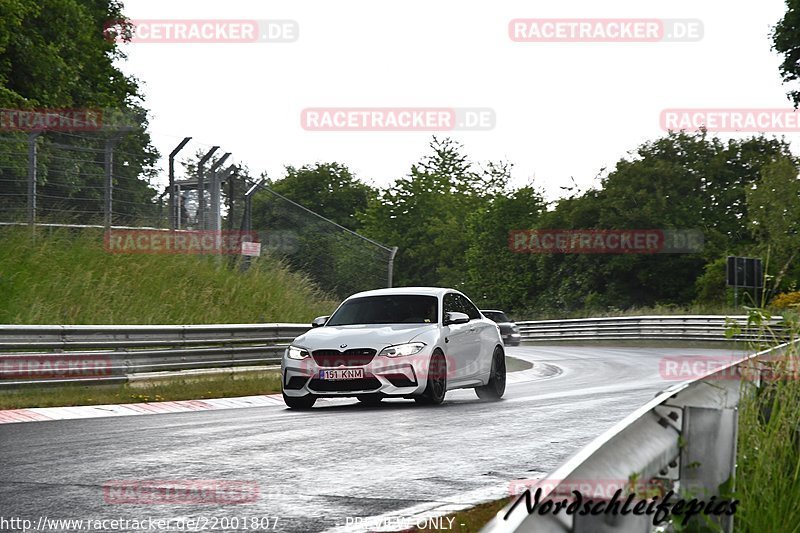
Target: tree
680 181
425 213
774 209
494 276
54 54
335 258
786 41
329 189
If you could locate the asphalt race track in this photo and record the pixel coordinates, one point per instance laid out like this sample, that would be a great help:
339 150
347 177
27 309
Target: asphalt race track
319 470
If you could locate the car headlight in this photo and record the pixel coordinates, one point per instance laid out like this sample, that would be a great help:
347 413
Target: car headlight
293 352
401 350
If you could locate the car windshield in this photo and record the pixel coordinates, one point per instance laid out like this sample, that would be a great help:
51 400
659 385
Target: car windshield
496 316
388 309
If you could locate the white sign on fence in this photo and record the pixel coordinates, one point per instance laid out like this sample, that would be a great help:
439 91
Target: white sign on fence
251 248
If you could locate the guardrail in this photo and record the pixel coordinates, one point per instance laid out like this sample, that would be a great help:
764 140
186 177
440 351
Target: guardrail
27 352
687 327
129 350
684 438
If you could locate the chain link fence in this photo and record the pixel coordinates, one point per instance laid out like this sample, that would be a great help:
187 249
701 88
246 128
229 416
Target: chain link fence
61 178
337 258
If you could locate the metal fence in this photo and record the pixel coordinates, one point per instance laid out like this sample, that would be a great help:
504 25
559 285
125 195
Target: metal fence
87 178
335 257
39 354
91 179
140 349
679 328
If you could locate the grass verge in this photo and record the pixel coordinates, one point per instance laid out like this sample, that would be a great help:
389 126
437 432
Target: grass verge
66 277
219 386
768 452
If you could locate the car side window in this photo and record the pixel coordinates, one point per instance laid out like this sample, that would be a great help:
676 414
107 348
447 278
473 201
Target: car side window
450 304
468 308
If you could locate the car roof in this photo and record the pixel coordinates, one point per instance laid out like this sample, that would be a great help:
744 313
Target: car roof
492 311
423 291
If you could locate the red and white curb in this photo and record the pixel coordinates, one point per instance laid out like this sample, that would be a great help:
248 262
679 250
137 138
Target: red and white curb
539 371
40 414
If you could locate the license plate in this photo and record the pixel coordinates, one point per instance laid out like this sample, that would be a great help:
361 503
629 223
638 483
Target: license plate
341 373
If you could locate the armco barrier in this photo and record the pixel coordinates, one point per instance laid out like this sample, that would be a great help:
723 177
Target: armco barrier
683 328
685 437
126 350
119 351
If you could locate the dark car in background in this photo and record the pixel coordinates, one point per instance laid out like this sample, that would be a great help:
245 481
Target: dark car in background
508 329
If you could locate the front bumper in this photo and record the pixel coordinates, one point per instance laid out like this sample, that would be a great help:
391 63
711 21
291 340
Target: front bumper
511 339
388 376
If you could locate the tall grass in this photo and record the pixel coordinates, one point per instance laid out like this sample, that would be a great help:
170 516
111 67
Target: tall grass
768 462
66 277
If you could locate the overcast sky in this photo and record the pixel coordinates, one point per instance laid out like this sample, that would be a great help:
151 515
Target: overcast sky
562 109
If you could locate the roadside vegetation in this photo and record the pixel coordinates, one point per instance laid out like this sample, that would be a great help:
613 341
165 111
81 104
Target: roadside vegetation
768 448
65 277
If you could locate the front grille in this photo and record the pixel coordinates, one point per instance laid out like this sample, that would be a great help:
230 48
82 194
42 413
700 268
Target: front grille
352 357
322 385
296 382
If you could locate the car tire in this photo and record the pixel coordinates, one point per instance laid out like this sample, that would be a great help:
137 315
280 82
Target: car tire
370 399
436 386
496 386
299 402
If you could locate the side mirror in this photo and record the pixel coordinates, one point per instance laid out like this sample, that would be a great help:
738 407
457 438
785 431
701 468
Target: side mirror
454 317
319 321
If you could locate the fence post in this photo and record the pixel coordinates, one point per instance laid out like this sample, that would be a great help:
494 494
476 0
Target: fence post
391 265
32 163
109 183
215 212
109 176
247 222
201 186
231 173
173 209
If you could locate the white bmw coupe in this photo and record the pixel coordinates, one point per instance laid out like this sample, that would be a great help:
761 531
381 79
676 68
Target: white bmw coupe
414 342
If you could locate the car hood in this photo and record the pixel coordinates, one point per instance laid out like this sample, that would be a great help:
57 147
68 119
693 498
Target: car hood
361 336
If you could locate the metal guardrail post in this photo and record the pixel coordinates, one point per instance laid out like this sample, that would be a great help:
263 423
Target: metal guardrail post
686 436
108 168
392 255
